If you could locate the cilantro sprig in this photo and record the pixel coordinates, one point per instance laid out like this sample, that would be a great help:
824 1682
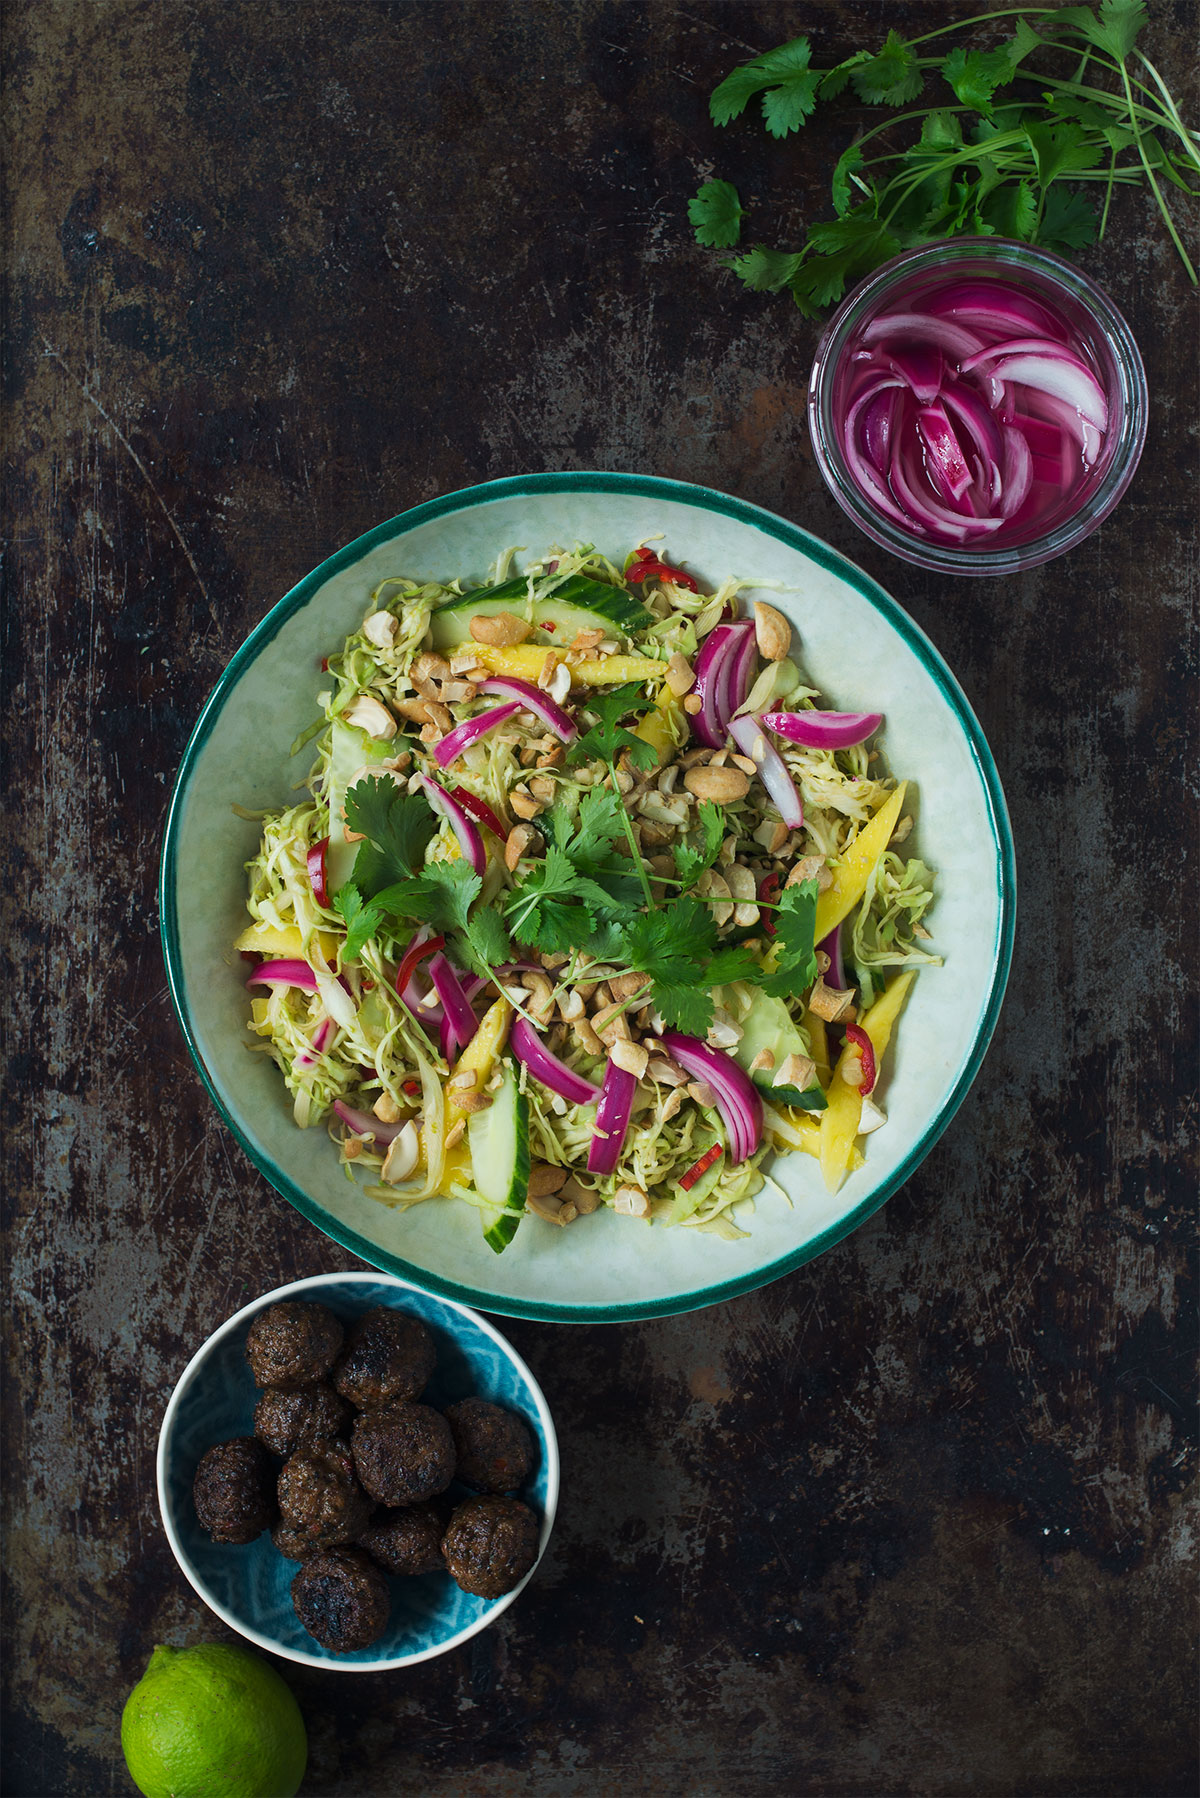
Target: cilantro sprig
607 741
1015 156
385 888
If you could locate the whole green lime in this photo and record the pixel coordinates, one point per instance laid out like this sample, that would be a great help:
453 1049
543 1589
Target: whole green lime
213 1721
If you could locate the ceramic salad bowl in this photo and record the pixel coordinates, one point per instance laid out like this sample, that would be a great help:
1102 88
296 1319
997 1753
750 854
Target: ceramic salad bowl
863 652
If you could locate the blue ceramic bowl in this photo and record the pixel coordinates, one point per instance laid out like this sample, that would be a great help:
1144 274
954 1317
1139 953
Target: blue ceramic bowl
249 1587
858 646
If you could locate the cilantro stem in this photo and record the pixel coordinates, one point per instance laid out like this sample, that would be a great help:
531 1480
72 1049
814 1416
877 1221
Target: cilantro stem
627 823
1162 204
1108 194
1188 138
982 18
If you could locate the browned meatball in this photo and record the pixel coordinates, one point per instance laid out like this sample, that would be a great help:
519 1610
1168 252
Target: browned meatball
234 1490
286 1421
494 1448
491 1544
388 1355
294 1545
319 1497
293 1344
342 1599
406 1540
403 1453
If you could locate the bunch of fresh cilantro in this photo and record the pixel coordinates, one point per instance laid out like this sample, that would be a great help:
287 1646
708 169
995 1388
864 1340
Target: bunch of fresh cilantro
1015 157
583 899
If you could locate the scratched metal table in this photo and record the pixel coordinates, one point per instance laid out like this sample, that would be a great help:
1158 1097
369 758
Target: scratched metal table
913 1520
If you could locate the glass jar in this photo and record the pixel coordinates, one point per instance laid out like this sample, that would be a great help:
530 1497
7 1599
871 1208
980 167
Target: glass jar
1044 284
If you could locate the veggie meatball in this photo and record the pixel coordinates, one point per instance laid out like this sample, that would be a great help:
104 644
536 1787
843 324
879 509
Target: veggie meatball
233 1490
319 1497
341 1598
286 1421
293 1344
406 1540
388 1355
294 1545
403 1453
490 1545
494 1448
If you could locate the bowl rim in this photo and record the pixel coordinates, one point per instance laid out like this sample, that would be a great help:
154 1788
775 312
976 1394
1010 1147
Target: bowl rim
663 489
189 1375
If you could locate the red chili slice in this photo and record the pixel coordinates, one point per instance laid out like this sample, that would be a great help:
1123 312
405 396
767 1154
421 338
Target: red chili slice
768 891
688 1180
414 954
646 566
410 1087
479 809
316 871
866 1048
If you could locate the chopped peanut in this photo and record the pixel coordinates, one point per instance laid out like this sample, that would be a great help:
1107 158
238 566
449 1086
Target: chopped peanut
544 1179
772 632
501 631
631 1057
380 629
680 675
830 1002
797 1071
472 1102
371 715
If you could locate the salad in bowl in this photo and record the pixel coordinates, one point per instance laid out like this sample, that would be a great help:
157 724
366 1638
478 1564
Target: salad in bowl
590 901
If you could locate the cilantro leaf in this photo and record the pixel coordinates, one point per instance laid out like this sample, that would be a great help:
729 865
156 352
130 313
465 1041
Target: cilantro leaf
441 895
1116 29
607 740
598 825
791 84
362 920
691 863
891 76
555 906
1057 150
833 81
732 963
766 271
716 213
795 951
1068 221
398 826
846 168
682 1006
488 938
976 74
843 249
1010 210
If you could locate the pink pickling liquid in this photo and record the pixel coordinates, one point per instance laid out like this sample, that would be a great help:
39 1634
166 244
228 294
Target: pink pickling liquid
976 410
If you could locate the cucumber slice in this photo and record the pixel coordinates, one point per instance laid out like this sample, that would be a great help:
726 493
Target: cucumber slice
351 750
768 1026
579 604
499 1142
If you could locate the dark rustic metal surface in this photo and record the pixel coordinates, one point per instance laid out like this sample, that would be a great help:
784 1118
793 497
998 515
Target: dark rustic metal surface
913 1520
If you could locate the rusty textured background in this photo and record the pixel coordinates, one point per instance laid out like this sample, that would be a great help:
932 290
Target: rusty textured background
914 1520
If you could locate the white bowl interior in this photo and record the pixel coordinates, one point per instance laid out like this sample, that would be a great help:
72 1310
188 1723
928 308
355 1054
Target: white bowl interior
858 648
249 1585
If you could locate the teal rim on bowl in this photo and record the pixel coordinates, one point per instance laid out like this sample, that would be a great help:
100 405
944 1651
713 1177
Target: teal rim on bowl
611 1296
